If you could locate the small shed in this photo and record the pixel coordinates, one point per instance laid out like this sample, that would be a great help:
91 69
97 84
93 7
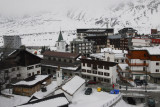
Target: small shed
30 85
71 87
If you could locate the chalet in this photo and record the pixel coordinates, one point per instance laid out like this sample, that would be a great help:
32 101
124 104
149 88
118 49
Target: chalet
67 61
58 100
97 70
144 63
20 64
30 85
71 87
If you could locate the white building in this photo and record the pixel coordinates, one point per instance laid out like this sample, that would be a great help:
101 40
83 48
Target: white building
108 54
61 44
19 65
71 87
12 41
97 70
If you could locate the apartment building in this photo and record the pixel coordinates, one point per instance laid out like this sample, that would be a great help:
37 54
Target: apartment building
99 70
82 46
13 41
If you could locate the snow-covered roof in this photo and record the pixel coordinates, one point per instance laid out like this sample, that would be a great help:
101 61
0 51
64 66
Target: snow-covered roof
113 51
69 68
151 50
123 66
53 102
37 79
73 85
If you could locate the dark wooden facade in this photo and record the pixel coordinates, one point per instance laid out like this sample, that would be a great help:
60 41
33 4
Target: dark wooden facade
28 90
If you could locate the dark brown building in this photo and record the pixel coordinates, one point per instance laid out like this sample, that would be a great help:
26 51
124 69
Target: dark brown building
68 62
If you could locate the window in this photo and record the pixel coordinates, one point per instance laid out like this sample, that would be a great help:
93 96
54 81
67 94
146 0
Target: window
65 60
157 70
100 79
144 55
59 60
106 74
88 77
157 63
94 72
32 73
83 76
108 58
17 68
100 66
18 75
88 71
70 61
83 64
106 67
88 65
38 72
83 70
100 73
37 66
49 71
106 80
31 67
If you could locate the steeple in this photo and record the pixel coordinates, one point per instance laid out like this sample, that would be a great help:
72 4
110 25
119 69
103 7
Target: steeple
60 38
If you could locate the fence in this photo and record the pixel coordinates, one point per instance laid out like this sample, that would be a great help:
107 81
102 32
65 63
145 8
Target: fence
111 102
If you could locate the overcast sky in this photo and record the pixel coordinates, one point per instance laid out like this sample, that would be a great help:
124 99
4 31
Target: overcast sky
31 6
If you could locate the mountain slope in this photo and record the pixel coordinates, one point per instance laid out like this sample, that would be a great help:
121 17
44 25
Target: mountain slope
71 14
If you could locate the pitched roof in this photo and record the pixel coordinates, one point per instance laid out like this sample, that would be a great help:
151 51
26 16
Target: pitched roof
60 38
58 100
32 81
73 85
63 65
61 54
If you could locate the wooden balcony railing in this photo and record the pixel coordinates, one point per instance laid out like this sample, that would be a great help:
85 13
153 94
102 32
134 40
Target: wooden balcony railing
136 64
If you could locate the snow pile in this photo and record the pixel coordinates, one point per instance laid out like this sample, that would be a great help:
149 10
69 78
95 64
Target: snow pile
72 85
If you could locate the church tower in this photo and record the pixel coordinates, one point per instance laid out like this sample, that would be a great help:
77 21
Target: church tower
61 44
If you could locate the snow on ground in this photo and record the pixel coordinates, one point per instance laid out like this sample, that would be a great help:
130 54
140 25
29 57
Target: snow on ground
122 103
18 100
13 101
96 99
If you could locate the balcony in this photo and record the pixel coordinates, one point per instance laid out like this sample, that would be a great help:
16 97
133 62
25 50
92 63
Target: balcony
136 64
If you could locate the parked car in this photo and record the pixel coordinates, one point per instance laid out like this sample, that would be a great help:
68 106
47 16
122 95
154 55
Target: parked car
138 82
151 102
144 82
91 82
88 91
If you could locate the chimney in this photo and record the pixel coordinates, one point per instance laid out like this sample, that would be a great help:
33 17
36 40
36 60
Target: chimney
59 76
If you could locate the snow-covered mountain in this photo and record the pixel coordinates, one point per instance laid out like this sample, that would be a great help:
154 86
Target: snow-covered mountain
53 15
